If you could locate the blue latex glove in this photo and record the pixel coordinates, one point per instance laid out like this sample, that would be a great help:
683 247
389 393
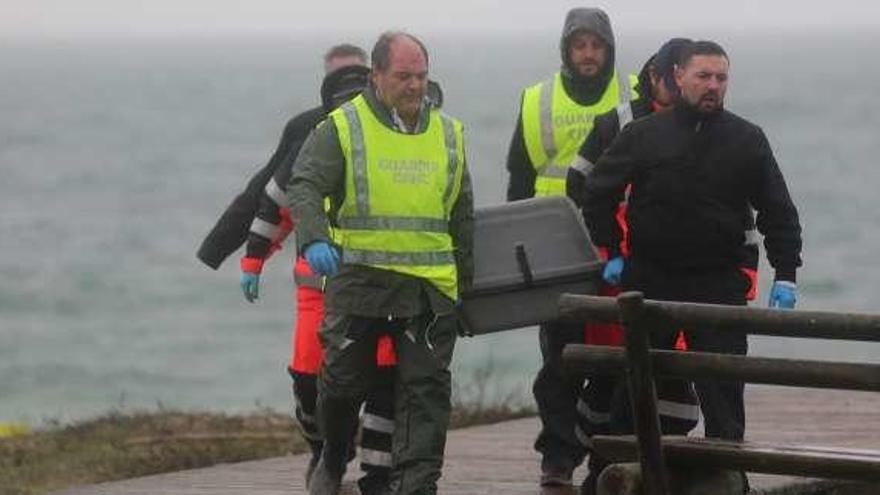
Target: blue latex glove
322 258
613 270
250 285
783 295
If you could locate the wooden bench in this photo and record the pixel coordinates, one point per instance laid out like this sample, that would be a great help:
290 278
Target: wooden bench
796 460
641 364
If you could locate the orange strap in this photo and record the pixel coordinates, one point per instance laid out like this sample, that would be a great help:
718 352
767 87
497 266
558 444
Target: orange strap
251 265
752 293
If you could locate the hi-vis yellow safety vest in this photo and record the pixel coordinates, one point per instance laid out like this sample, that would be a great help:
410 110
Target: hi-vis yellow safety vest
399 193
555 126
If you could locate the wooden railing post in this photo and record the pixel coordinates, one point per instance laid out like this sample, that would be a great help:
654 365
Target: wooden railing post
643 394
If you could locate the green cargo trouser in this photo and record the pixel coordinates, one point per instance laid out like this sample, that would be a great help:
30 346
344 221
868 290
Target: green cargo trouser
423 385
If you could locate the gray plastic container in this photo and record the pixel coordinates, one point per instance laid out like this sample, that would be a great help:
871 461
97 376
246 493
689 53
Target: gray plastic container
526 254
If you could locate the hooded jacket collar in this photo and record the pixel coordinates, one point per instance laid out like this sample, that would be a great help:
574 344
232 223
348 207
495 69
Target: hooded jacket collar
388 116
689 116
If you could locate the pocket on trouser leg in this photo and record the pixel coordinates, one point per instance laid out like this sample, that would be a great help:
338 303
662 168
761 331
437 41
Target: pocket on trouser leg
349 357
440 334
423 402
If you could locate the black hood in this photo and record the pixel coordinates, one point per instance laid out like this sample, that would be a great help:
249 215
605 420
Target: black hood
663 64
343 84
644 87
666 60
595 21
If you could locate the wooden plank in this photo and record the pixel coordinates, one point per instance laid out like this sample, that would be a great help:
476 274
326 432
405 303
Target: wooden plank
757 457
643 393
721 318
584 360
499 459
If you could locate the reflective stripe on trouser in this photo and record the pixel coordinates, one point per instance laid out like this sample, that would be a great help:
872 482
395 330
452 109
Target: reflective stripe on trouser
604 408
422 389
305 394
377 427
594 408
376 430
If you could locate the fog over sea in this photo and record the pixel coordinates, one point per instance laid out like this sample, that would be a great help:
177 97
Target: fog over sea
118 156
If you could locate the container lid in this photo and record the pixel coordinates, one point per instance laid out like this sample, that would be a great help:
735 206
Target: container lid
530 242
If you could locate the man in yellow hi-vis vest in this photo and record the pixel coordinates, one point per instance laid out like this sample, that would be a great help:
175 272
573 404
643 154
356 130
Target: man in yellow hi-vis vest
400 254
555 118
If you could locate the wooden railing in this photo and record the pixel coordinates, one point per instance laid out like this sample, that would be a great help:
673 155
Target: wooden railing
641 364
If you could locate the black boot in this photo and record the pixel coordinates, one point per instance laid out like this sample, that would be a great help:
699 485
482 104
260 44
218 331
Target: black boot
316 448
373 483
326 479
310 470
337 419
595 466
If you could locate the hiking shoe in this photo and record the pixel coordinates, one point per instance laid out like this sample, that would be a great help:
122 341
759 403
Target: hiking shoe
373 485
323 482
553 477
589 486
310 470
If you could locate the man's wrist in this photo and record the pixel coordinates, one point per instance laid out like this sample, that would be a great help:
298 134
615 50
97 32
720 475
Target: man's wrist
251 265
786 274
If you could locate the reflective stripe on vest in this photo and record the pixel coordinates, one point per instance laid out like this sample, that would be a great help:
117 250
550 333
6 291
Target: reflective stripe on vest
555 126
624 108
400 189
311 281
303 276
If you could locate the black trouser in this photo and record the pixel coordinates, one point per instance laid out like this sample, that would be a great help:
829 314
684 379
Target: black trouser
423 385
305 395
720 401
556 394
376 428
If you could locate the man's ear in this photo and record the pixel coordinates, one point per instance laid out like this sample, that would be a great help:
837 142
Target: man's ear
679 75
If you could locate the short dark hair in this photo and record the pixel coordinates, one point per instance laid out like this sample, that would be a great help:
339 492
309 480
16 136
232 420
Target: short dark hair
381 55
345 50
702 47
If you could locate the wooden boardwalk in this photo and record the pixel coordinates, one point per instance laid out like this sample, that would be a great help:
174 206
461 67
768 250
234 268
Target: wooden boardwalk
498 459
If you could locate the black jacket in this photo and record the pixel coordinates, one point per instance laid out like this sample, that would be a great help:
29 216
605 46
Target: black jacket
605 129
694 181
231 229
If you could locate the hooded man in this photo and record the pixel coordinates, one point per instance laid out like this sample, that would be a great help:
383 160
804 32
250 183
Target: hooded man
555 117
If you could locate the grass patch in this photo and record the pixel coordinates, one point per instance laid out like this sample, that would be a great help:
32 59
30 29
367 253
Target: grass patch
131 444
119 446
478 400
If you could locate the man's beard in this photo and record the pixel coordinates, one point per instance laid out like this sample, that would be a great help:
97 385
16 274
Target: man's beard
593 66
708 103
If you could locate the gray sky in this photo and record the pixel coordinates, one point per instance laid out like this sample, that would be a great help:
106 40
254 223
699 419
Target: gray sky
74 18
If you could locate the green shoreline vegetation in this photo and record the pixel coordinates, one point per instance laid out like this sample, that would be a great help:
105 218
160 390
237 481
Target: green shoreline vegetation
128 444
